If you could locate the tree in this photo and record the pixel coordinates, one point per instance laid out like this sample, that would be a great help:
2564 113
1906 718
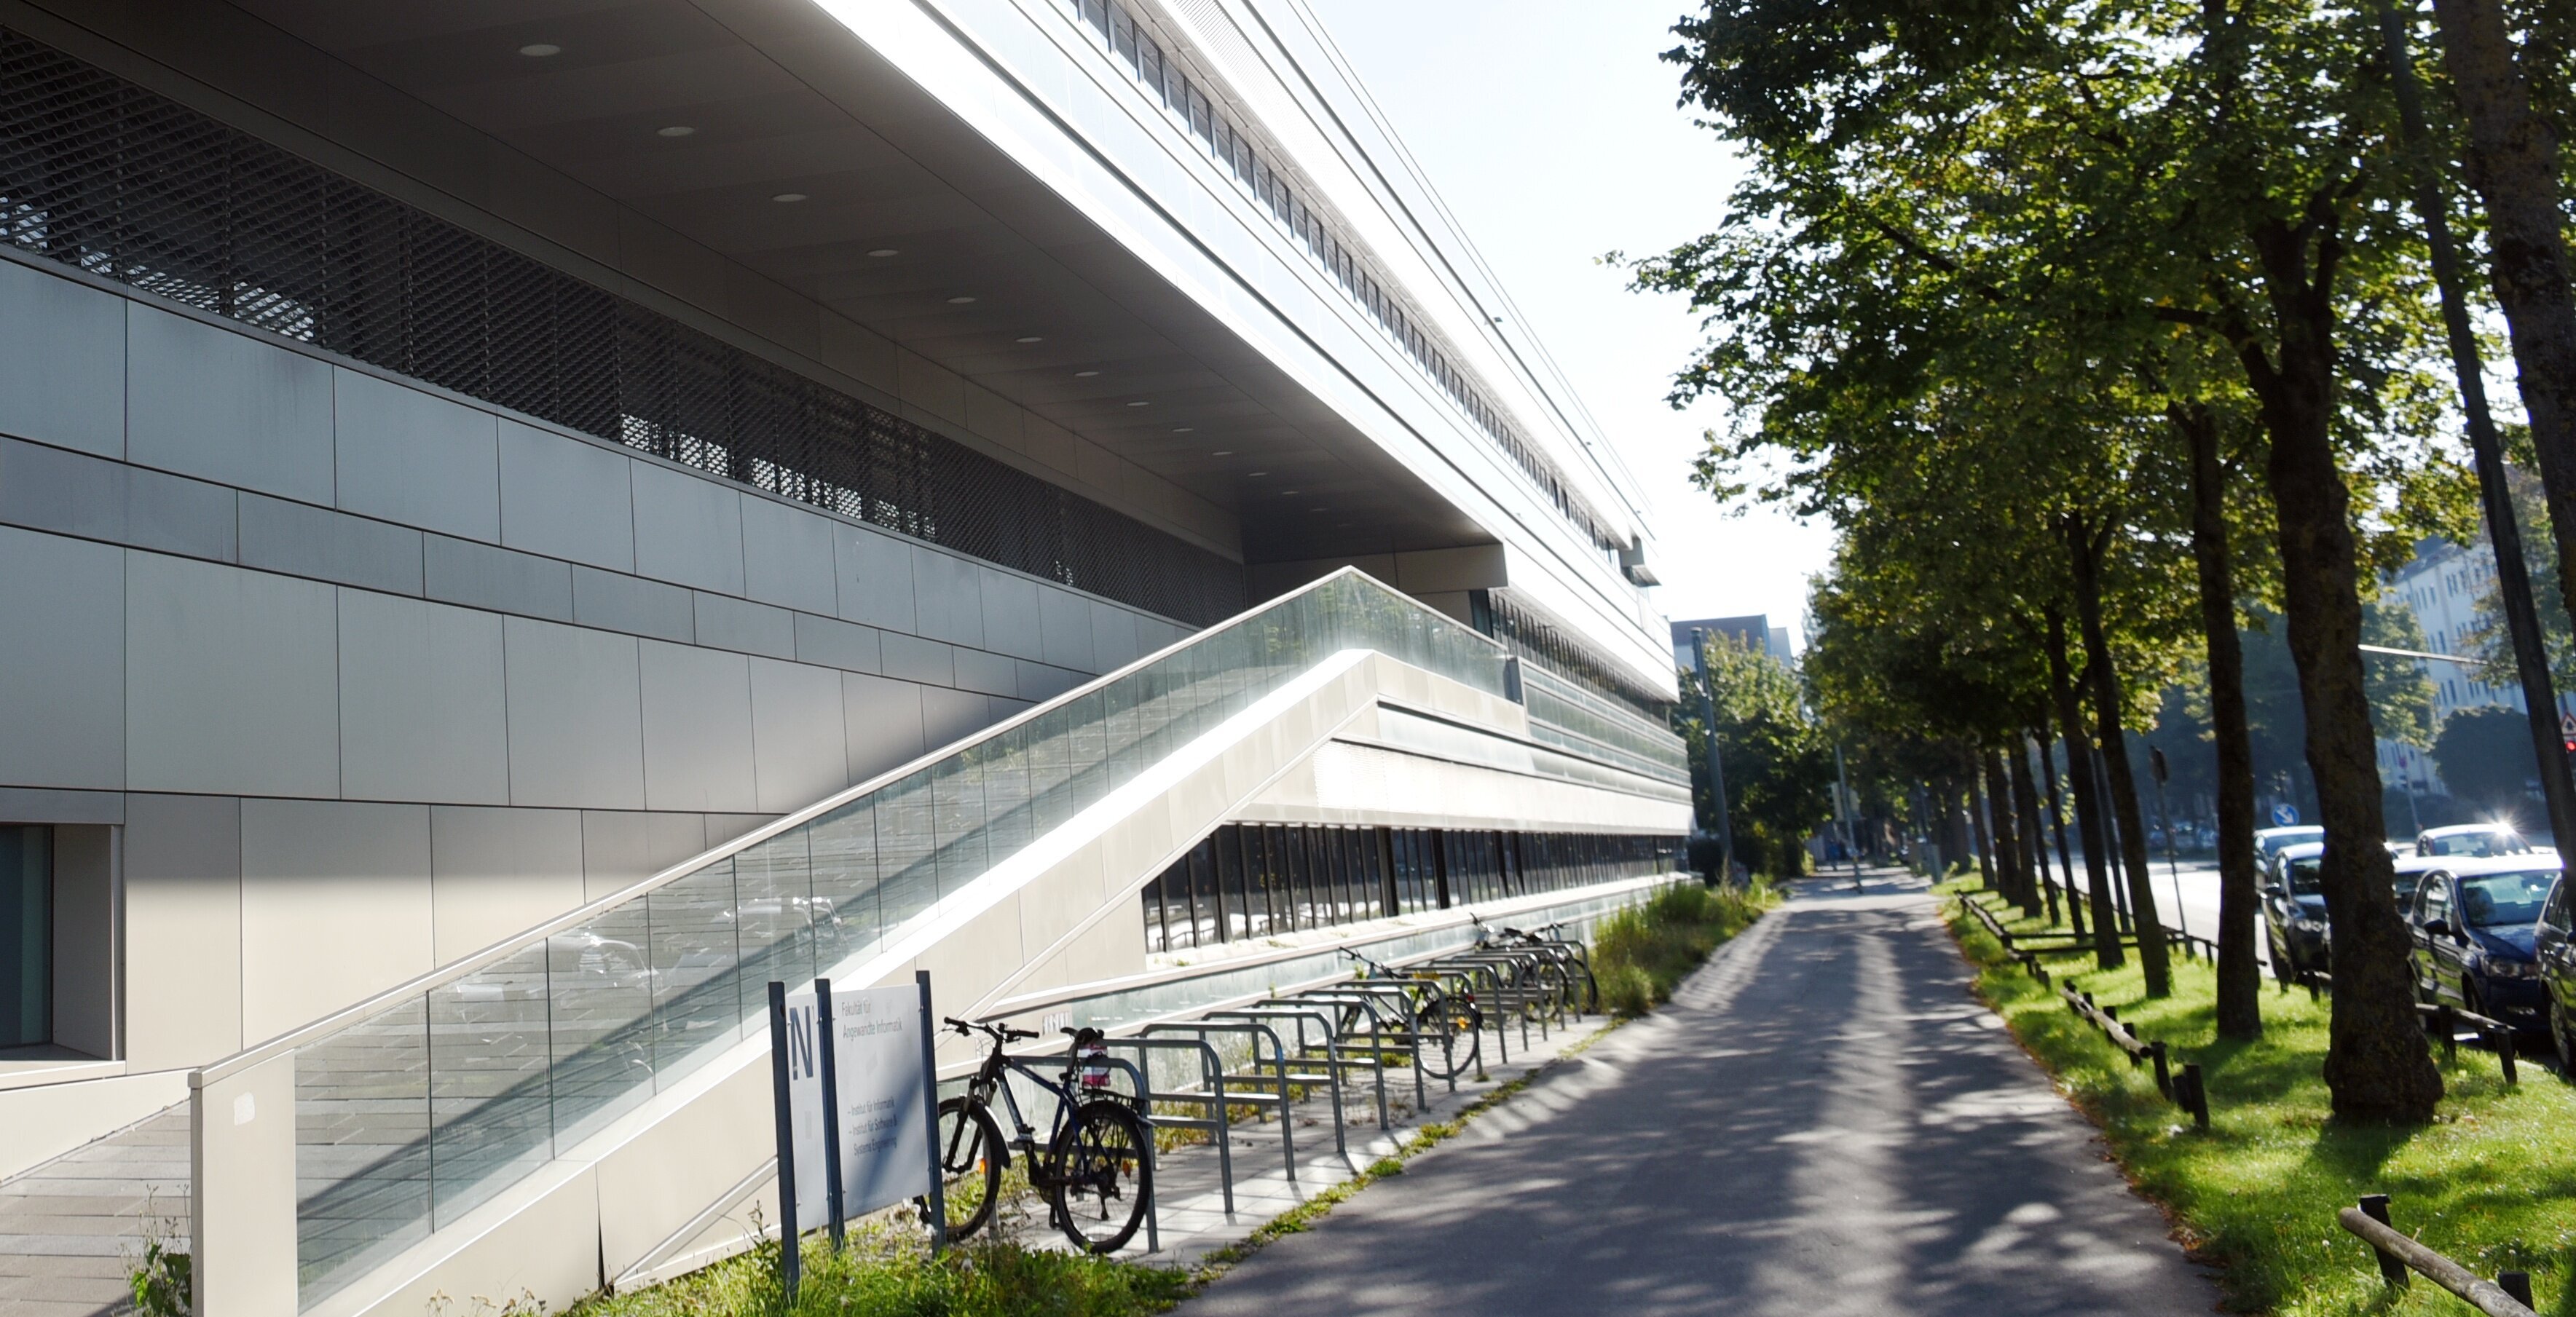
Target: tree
2218 171
2485 758
1779 764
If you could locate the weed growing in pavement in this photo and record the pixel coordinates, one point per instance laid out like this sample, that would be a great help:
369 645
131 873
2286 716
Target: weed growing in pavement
2491 1183
1640 954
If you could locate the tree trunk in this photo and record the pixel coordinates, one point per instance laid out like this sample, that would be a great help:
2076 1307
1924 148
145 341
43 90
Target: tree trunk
2026 817
2085 547
2057 823
2008 868
2377 1064
2240 979
1977 824
2079 773
2513 164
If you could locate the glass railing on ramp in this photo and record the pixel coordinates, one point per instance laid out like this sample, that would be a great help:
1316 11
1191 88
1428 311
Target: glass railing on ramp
425 1102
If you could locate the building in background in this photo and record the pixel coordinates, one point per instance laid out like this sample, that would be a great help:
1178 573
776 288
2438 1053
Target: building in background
1751 629
463 466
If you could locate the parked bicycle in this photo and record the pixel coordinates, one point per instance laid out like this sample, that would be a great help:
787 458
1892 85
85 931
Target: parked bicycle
1447 1021
1094 1169
1582 991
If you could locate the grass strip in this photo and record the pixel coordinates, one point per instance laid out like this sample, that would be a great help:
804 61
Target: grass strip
2490 1183
1642 952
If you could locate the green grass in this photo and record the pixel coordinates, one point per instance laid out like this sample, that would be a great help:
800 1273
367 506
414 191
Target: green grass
886 1271
2491 1183
1642 952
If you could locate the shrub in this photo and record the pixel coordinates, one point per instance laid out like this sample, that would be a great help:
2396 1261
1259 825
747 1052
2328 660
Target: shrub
1640 954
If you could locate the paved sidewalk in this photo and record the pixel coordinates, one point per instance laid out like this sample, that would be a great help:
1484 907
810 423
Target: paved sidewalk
1824 1122
72 1229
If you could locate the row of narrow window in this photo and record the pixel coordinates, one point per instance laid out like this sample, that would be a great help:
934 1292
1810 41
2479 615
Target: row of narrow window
1137 52
1253 880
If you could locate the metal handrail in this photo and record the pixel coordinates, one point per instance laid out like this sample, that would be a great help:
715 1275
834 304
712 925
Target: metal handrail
519 942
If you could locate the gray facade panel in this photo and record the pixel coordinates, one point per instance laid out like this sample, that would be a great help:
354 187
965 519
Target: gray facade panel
480 576
697 729
565 498
725 622
875 578
576 723
947 597
687 529
231 681
62 662
787 557
619 602
915 659
797 733
883 721
417 458
75 494
1064 629
993 674
279 536
422 714
1040 682
837 644
212 403
1113 637
1011 623
62 362
947 715
621 848
45 805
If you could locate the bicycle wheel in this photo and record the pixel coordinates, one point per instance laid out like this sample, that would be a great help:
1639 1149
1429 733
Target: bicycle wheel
971 1157
1097 1175
1451 1030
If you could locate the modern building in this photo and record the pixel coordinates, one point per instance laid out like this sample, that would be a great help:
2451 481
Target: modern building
2445 587
519 525
1752 630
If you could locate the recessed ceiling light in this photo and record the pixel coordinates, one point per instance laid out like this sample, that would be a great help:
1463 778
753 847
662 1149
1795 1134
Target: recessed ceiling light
1028 338
885 251
675 130
1222 452
540 49
1183 429
1084 374
1287 493
1256 473
1319 509
789 196
1140 403
959 301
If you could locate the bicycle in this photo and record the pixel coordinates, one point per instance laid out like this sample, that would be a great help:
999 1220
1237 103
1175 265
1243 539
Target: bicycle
1095 1157
1452 1020
1572 960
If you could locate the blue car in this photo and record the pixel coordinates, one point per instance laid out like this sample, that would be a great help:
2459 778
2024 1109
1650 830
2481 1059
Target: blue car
2474 921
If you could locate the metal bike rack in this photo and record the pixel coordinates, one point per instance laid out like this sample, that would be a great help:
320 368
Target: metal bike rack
1153 1191
1255 1031
1333 1064
1373 996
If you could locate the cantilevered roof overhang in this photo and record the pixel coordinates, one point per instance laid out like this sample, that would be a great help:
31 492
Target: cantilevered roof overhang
991 201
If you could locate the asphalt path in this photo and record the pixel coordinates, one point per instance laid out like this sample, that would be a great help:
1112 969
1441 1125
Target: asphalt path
1823 1121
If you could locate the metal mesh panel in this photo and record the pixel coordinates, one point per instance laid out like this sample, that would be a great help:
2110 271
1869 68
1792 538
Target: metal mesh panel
120 182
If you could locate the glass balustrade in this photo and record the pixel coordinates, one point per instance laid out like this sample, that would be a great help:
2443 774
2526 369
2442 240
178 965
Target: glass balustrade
432 1103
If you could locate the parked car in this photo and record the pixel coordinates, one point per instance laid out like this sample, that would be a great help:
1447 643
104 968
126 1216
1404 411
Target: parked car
2296 935
2554 947
2269 840
2294 911
2474 924
2472 839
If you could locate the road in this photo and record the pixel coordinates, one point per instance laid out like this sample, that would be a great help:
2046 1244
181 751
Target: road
1822 1122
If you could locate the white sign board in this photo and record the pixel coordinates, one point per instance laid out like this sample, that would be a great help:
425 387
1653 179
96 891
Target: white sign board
876 1049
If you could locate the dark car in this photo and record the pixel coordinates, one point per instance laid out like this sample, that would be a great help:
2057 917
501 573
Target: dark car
2474 923
2554 944
2294 911
2294 906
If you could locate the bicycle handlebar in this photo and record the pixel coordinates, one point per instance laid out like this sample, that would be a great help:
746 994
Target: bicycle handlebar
997 1032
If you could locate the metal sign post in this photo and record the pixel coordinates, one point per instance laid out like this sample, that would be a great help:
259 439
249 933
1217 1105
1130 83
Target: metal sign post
835 1202
790 1266
2156 765
930 1109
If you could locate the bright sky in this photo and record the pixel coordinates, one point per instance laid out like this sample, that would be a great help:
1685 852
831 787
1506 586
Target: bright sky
1551 132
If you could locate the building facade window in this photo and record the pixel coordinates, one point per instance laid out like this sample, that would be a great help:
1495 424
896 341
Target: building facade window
1249 880
26 936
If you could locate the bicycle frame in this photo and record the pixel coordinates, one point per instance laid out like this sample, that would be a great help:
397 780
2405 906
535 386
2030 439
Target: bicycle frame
998 1065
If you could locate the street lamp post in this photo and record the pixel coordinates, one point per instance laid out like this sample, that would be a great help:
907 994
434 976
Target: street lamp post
1716 769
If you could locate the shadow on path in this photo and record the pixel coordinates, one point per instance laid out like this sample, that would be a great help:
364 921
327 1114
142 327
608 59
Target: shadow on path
1824 1121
